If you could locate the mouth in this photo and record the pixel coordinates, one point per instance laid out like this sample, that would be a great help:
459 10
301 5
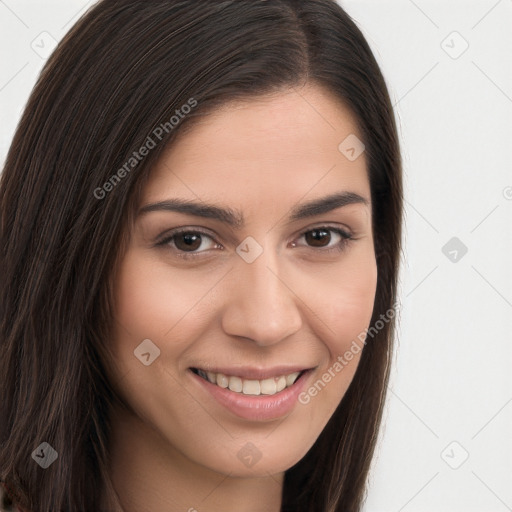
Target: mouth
253 387
254 394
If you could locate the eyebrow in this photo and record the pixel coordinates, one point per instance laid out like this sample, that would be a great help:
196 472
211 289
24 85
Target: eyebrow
235 219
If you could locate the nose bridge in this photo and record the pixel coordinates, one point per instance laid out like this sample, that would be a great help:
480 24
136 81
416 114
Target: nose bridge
260 304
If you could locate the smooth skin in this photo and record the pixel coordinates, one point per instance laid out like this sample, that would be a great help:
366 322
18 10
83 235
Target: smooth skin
176 447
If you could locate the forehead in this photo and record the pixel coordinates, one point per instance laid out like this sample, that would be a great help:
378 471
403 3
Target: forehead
280 147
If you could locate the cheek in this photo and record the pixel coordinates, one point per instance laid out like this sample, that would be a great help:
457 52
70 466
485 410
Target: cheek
344 306
351 311
345 300
153 301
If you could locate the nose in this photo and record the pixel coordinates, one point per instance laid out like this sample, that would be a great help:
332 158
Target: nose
260 305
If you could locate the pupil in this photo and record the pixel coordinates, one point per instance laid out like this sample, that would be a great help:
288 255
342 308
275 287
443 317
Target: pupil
315 236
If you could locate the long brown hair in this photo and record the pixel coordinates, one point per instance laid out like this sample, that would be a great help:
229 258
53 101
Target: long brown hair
125 69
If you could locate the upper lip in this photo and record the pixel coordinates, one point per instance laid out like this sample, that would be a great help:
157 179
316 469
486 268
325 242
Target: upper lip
253 372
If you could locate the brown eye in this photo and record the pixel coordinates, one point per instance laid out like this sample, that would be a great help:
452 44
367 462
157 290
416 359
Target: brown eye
188 241
325 239
318 237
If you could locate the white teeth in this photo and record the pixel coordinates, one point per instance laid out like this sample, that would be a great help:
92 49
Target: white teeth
290 379
281 384
268 387
235 384
251 387
221 381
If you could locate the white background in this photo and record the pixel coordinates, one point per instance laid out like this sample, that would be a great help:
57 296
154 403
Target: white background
451 390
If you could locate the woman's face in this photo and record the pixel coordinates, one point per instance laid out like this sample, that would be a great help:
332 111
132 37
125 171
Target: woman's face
258 284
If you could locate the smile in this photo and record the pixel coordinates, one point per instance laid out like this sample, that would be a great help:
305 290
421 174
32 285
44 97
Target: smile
269 386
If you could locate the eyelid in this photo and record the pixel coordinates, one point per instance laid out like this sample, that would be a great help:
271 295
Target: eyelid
167 235
328 225
346 234
185 229
166 238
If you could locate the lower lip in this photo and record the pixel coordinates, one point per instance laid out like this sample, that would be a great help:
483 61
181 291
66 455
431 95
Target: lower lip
261 407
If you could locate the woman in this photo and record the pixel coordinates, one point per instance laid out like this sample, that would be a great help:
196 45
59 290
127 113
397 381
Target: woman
201 215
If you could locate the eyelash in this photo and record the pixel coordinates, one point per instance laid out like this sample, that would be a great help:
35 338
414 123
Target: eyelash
346 238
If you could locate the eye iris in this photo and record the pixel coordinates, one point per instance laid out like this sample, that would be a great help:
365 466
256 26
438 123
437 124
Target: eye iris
192 241
317 235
